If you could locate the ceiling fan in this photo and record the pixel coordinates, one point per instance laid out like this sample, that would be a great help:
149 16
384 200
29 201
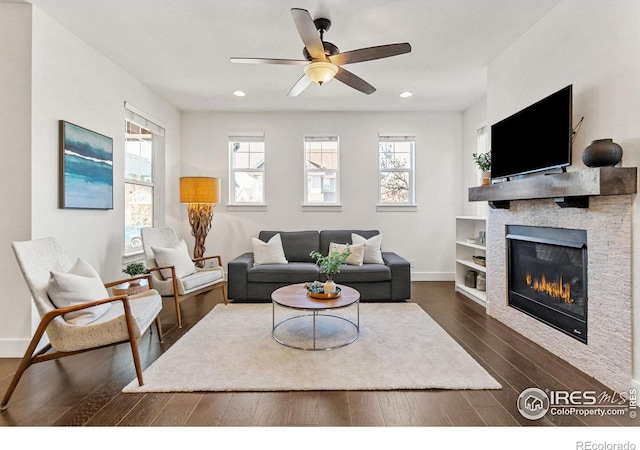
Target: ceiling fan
323 59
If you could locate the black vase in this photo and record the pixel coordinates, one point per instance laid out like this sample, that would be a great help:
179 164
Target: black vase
602 152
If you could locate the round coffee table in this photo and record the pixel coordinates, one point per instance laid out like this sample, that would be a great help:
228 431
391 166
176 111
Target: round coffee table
295 297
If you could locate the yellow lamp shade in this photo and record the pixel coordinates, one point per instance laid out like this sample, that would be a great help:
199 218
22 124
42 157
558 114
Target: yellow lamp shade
199 190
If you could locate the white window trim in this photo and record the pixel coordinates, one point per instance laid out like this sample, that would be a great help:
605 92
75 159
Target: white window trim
157 128
246 206
411 205
317 206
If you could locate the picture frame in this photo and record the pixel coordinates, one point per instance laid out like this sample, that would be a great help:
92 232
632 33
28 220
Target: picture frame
86 168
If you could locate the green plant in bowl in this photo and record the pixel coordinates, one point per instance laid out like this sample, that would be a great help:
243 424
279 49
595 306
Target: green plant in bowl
135 269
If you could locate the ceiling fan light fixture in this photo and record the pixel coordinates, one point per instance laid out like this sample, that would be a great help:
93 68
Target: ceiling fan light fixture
320 71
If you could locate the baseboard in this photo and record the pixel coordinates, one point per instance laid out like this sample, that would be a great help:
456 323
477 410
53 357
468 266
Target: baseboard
13 348
433 276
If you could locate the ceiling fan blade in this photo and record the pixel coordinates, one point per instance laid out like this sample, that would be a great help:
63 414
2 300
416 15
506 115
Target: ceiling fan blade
308 32
370 53
354 81
300 86
269 61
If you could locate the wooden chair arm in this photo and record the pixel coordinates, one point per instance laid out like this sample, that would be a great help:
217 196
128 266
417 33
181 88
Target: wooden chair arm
67 309
204 258
127 280
156 269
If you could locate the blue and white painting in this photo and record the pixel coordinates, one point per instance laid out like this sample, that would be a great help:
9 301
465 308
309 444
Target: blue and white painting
87 160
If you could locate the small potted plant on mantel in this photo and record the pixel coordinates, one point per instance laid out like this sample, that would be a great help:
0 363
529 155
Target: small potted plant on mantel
330 265
483 161
134 269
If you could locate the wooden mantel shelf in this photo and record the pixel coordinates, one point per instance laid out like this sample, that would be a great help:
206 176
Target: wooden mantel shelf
568 189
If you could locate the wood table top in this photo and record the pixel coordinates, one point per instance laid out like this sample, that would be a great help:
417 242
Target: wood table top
295 296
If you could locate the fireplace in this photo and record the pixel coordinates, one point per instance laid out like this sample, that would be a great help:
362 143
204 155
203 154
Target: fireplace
547 276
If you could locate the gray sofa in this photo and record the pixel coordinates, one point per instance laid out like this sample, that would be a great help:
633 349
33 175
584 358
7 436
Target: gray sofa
384 282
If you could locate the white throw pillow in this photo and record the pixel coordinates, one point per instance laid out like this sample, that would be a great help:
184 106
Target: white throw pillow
81 284
178 257
268 252
372 249
355 258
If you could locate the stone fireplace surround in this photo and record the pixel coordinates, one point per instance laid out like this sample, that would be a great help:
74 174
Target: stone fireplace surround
608 354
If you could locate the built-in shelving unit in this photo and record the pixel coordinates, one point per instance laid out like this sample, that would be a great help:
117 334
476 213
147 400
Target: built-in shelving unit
468 228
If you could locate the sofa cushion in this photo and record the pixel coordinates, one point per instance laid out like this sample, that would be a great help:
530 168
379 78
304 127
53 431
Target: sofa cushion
341 236
278 273
356 255
366 273
270 252
372 248
201 278
296 244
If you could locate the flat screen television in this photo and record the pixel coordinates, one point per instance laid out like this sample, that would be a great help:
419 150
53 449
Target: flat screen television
534 139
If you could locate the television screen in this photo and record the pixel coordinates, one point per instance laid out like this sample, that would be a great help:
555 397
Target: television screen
535 139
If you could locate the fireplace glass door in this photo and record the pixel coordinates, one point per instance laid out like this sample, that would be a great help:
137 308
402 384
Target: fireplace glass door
548 276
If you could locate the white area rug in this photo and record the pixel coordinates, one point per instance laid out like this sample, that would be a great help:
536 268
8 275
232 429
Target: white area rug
231 349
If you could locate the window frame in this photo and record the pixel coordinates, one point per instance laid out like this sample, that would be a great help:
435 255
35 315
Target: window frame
398 138
325 137
128 248
157 128
248 138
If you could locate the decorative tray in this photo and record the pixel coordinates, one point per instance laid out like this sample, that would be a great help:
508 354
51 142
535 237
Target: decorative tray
317 291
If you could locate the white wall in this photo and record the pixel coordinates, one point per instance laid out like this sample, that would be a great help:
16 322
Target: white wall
69 81
73 82
15 169
596 47
474 116
425 235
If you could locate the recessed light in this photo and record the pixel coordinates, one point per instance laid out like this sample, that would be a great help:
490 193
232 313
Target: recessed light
239 93
406 94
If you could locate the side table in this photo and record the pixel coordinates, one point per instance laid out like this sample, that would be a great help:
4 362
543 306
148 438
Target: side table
130 289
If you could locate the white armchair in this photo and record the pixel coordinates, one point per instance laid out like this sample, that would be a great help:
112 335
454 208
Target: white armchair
174 273
85 317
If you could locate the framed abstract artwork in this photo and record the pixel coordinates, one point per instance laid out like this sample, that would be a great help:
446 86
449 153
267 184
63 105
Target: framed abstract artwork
86 168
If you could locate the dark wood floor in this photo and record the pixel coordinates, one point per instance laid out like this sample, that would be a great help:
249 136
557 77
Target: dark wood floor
85 390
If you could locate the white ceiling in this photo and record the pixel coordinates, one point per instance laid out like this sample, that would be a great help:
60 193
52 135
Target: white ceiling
181 48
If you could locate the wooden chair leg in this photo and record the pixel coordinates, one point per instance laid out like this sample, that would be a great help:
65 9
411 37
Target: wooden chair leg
224 293
24 365
26 362
176 297
133 341
178 313
136 359
159 328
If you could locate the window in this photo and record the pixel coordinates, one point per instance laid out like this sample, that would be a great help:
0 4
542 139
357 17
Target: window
396 170
246 166
321 170
143 139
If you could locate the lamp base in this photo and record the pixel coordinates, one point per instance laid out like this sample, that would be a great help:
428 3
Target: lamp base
200 216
